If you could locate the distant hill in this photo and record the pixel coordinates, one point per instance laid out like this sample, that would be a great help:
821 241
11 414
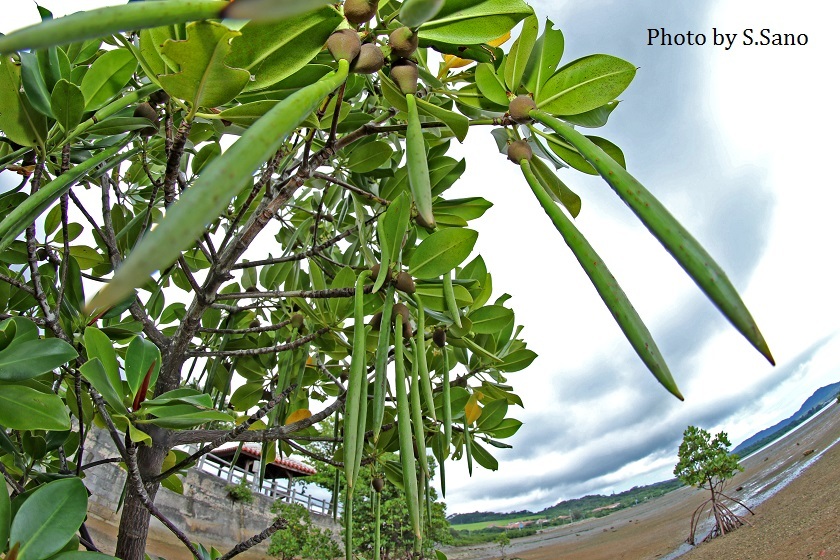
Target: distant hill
812 405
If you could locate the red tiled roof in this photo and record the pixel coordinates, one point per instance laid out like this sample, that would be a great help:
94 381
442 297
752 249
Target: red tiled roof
256 452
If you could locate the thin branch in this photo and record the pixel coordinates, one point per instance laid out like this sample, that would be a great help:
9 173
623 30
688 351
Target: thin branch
264 350
102 462
17 284
274 327
349 187
18 489
279 523
312 294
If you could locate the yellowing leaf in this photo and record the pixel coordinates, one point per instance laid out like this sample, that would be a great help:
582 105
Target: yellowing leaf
451 61
472 410
298 415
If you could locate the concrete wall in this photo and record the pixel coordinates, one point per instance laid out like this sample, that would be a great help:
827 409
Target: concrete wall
204 512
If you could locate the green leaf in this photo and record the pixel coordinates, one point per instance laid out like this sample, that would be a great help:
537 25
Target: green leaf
85 554
433 296
204 80
483 457
174 418
273 51
467 22
24 408
490 319
417 164
247 396
595 118
184 395
32 358
520 52
490 85
370 156
20 122
556 188
204 156
416 12
441 252
124 425
139 357
544 59
96 374
577 161
506 428
492 414
517 361
467 208
17 221
248 113
456 122
33 83
691 256
585 84
106 77
219 182
93 24
49 518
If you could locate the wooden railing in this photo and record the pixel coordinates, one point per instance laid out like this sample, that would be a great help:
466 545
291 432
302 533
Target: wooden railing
276 489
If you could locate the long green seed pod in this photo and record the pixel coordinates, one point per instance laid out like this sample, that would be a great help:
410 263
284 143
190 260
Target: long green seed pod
609 290
449 299
348 526
102 22
417 164
220 181
404 432
380 379
468 446
422 363
34 205
447 403
377 526
691 256
356 384
417 414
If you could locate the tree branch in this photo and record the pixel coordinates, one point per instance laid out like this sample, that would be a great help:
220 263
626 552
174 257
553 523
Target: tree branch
279 523
264 350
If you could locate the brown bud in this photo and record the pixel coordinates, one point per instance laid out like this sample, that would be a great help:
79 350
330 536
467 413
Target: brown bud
370 60
439 338
376 321
344 44
519 108
158 97
405 283
146 111
254 324
251 289
360 11
519 150
403 41
405 75
378 484
296 320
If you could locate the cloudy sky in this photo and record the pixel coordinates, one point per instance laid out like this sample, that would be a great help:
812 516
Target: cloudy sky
739 145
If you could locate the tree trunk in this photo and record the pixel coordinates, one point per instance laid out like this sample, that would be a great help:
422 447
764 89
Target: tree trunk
135 518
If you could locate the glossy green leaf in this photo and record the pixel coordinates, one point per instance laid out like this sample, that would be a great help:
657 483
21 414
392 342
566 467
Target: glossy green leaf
247 396
140 356
86 554
220 181
176 417
517 361
32 358
205 80
93 24
370 156
520 52
106 77
456 122
595 118
19 120
183 395
483 457
441 252
273 51
556 188
248 113
691 256
34 85
585 84
492 414
467 208
433 297
24 408
577 161
98 345
49 518
204 156
611 293
95 372
490 319
506 428
136 435
470 22
490 84
414 13
544 58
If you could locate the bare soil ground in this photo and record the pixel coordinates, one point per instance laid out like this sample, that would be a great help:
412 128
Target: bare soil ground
792 484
